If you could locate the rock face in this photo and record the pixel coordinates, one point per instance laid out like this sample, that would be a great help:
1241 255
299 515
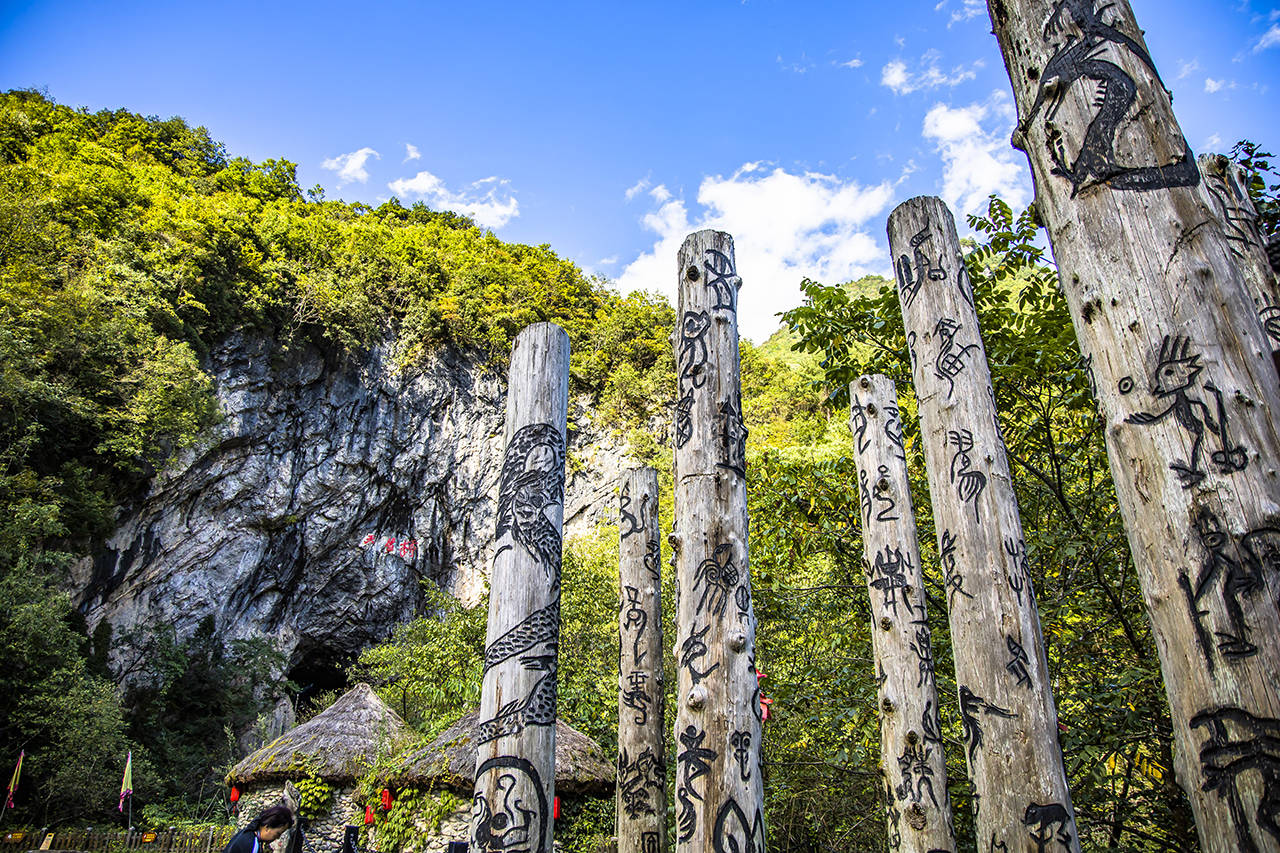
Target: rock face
331 490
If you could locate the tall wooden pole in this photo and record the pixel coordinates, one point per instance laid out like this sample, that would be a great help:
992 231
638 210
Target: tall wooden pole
1222 183
642 774
1006 704
515 759
1184 379
911 754
719 792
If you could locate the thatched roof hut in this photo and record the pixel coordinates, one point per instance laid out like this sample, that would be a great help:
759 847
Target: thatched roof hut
340 743
450 761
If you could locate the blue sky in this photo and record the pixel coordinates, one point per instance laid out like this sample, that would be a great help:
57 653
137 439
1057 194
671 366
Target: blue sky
610 130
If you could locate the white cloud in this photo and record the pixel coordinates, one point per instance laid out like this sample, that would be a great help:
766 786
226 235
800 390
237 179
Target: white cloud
350 167
785 226
482 200
1186 69
637 188
801 66
1213 143
969 9
977 159
902 80
1211 86
856 62
1270 38
411 152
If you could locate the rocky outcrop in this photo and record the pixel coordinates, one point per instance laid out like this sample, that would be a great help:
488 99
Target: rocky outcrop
333 487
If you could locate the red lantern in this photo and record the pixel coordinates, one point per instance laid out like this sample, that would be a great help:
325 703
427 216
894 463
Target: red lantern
555 809
368 815
386 800
235 794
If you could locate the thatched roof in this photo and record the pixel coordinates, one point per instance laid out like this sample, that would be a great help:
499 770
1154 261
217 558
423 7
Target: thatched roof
450 761
339 743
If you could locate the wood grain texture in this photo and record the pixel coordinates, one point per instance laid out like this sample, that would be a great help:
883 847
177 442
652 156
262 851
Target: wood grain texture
719 793
642 773
911 751
1183 374
515 759
1006 703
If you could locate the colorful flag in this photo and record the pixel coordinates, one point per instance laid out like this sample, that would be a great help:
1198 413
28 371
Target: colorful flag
126 784
13 783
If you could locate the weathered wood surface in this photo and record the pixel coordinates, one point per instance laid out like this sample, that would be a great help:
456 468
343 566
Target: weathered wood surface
515 760
642 773
1006 702
911 752
1184 380
1222 183
719 793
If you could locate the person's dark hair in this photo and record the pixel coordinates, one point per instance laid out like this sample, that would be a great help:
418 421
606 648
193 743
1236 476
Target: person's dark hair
276 816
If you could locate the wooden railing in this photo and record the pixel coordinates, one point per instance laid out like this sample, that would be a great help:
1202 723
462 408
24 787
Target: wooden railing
210 840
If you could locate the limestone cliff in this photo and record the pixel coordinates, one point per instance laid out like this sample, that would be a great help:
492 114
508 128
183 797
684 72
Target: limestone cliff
332 489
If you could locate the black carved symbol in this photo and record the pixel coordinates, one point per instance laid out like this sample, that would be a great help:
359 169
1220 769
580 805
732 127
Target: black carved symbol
733 438
950 361
630 524
636 618
952 580
536 709
963 283
1270 317
911 349
888 572
531 482
969 483
636 695
1237 568
741 744
723 279
881 496
1018 663
858 422
971 706
638 780
653 558
695 648
734 833
716 575
692 360
756 707
1239 743
1086 364
1019 572
1236 214
513 817
891 808
540 631
649 842
925 268
924 654
693 761
1125 385
1048 824
1079 57
864 496
893 430
881 676
917 774
997 846
1175 373
742 598
931 723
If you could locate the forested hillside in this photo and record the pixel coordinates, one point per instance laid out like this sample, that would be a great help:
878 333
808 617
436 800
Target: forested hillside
129 246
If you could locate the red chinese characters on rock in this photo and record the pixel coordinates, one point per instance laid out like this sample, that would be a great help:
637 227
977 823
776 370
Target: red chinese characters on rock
406 549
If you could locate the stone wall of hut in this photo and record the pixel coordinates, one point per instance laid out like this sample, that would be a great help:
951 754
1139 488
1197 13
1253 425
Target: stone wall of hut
324 834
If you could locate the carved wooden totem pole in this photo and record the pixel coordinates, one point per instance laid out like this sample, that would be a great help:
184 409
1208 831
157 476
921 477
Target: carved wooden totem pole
1222 183
911 756
719 794
515 759
1006 704
642 773
1183 374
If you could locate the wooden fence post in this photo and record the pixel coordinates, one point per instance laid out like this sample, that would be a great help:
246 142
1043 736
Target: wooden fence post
911 754
719 791
515 760
642 773
1006 702
1184 378
1223 185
